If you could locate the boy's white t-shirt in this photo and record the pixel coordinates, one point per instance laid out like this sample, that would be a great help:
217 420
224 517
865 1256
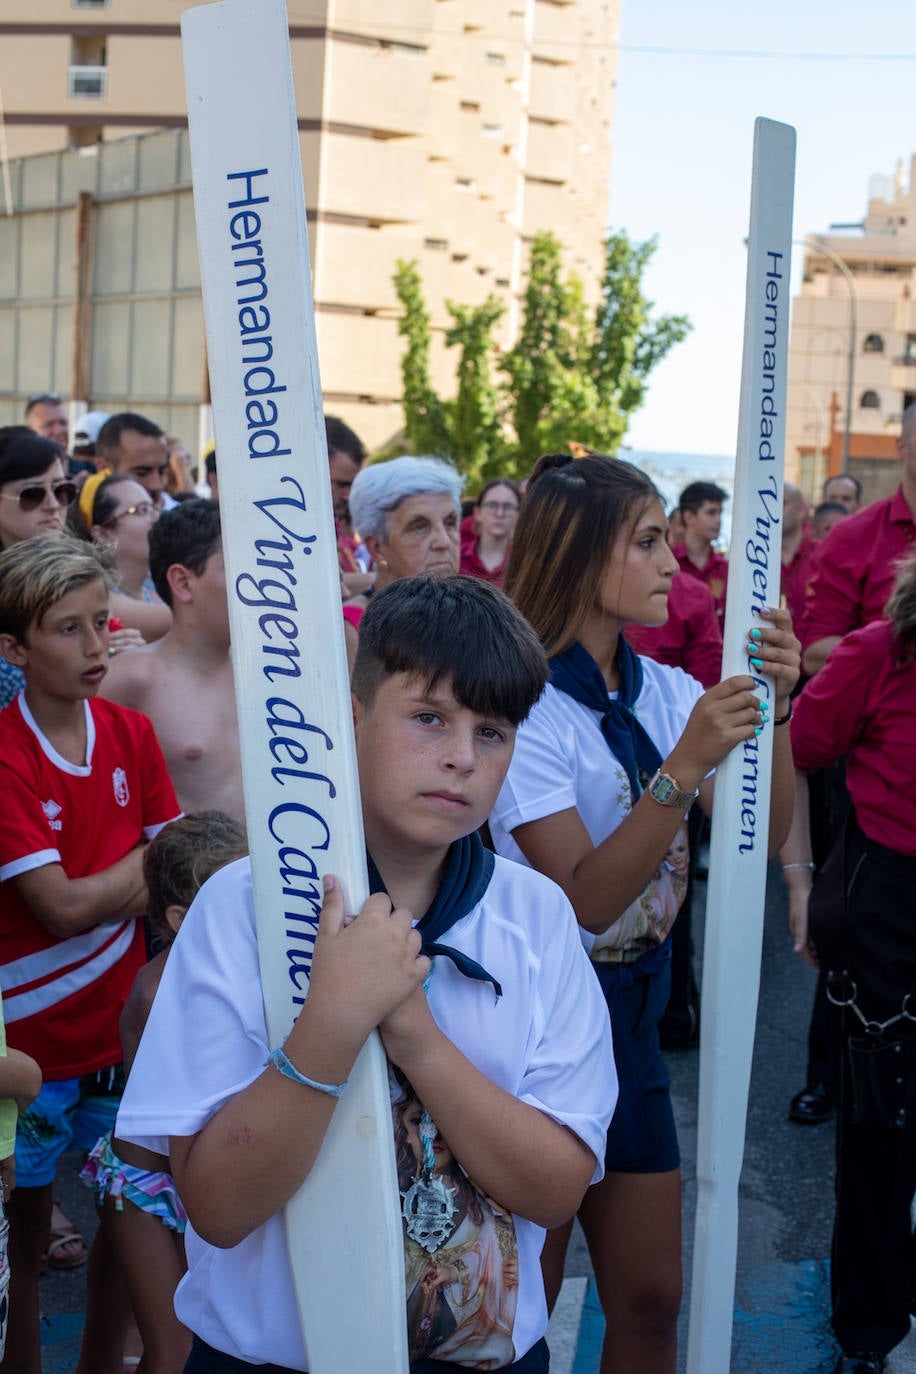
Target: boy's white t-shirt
561 760
546 1040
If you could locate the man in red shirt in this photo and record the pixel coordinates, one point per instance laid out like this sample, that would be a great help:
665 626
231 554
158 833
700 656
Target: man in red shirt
850 579
691 638
845 490
700 507
83 784
863 922
854 567
797 550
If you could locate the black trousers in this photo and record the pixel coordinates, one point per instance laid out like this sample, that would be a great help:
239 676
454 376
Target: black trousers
829 807
872 1252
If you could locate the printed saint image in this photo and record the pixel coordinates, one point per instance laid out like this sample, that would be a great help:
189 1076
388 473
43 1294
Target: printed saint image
648 919
460 1250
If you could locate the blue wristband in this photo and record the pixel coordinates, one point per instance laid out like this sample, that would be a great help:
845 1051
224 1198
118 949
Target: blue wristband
289 1070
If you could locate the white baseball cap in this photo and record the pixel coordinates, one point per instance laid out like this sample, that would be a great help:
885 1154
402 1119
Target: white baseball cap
88 426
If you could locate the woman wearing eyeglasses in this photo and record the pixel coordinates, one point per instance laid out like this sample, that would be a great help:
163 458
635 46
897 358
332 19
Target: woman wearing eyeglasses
486 535
34 496
116 512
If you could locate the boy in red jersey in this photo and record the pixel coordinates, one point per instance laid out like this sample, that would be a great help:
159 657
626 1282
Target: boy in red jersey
83 786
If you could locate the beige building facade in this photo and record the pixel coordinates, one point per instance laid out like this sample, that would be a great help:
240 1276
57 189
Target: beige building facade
446 131
866 315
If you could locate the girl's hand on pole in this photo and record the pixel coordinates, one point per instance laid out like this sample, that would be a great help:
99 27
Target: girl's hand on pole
724 716
777 654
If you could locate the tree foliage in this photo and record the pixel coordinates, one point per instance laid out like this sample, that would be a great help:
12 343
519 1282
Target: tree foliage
571 375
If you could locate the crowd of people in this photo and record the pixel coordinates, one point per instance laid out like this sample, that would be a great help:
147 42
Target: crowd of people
537 707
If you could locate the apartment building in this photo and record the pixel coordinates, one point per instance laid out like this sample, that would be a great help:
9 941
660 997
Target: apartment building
448 131
857 323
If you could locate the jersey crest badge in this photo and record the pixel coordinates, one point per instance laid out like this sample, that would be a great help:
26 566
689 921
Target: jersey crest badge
52 812
121 790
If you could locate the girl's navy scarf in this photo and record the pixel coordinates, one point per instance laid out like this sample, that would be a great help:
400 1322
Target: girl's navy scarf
468 870
577 674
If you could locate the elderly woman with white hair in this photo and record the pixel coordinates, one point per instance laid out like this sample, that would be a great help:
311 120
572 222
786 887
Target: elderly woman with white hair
407 512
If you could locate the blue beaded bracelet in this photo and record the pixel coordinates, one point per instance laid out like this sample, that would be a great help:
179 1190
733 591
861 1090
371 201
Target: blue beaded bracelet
289 1070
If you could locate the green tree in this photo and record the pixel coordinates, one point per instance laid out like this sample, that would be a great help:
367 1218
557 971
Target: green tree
424 413
572 374
466 429
570 377
478 446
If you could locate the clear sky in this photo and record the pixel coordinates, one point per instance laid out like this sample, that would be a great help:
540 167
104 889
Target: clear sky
683 132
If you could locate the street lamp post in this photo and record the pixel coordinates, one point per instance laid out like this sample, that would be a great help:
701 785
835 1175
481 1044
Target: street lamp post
815 246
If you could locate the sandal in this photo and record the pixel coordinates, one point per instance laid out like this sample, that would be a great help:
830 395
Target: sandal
60 1240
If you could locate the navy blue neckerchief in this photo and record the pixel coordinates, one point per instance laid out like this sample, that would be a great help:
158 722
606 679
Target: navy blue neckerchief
577 674
468 870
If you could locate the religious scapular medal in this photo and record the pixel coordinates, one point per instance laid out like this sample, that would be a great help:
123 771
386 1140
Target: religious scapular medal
428 1204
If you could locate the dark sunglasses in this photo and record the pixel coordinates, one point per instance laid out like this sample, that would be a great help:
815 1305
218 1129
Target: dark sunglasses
30 498
49 398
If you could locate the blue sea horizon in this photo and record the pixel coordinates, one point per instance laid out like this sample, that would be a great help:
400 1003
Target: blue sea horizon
671 472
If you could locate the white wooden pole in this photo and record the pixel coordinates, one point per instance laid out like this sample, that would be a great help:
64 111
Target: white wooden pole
738 852
298 757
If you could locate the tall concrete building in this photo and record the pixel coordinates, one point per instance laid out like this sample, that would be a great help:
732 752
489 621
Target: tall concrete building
447 131
863 317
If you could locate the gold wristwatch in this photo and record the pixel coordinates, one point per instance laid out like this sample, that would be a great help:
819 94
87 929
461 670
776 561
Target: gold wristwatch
667 791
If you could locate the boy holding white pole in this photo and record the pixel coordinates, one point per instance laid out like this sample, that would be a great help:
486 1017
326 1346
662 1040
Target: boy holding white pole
502 1076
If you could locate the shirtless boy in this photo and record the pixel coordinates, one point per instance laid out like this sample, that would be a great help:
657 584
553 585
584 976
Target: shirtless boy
183 681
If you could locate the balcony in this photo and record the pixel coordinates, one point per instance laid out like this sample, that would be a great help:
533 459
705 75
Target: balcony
87 83
903 374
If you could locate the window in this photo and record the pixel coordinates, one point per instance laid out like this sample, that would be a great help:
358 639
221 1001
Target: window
87 83
495 59
873 344
89 4
870 400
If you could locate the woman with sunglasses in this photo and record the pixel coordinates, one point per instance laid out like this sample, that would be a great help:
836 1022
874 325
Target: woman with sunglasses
486 534
34 496
117 513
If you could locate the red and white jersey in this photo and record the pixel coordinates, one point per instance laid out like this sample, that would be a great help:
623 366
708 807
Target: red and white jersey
62 997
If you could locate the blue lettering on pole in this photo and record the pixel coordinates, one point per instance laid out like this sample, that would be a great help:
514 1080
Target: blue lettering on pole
250 270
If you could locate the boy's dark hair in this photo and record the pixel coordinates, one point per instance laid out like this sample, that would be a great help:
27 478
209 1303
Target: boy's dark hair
458 628
698 493
189 534
342 439
24 454
210 462
109 438
185 853
829 508
37 573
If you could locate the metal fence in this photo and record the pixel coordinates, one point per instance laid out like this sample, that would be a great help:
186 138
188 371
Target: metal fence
100 284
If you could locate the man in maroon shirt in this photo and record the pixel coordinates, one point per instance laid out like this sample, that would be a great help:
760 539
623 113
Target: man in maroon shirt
700 506
863 921
845 490
851 576
691 638
797 549
854 567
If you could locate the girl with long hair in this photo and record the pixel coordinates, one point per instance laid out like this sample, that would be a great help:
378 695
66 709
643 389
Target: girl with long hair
605 769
